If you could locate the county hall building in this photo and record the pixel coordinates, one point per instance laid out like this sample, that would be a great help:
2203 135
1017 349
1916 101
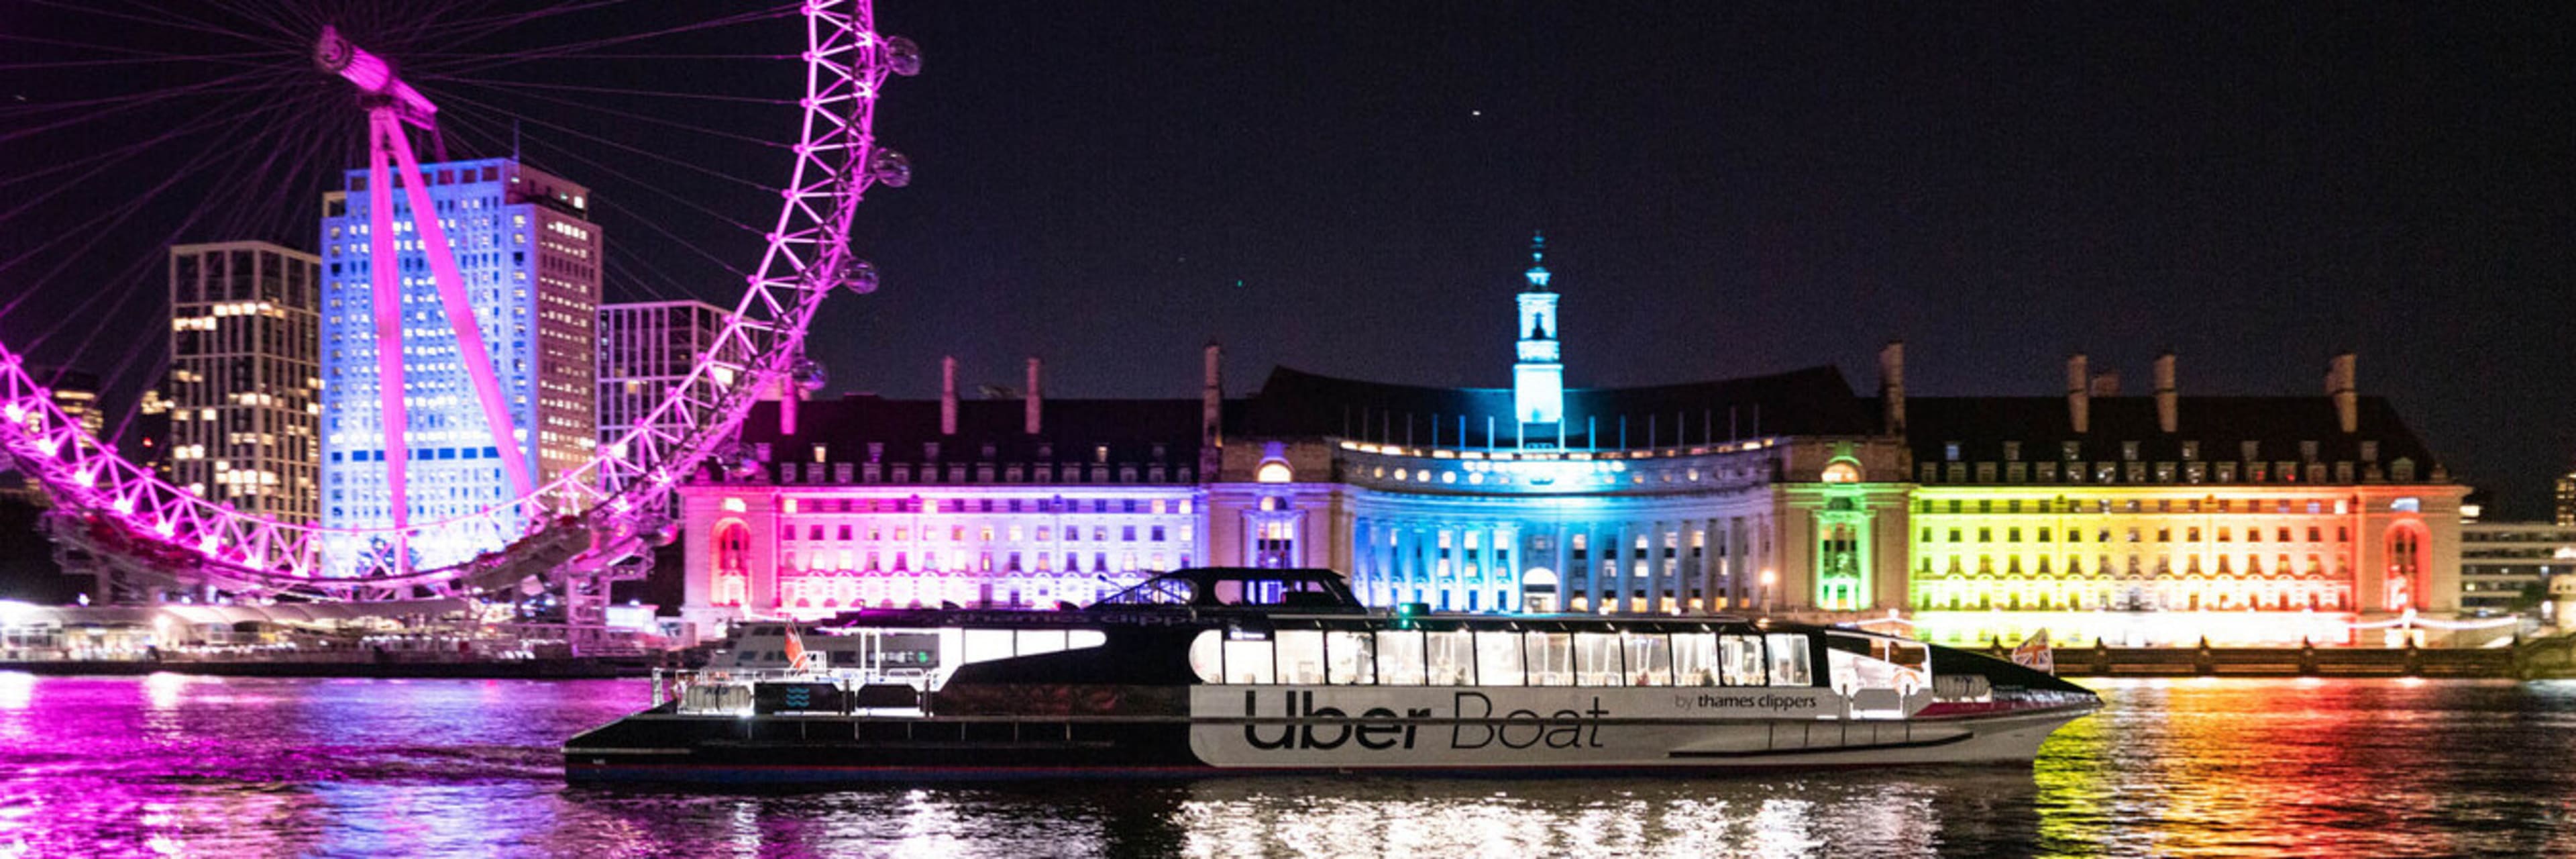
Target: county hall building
2156 519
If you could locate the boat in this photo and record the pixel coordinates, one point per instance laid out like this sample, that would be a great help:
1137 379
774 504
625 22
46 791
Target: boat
1218 671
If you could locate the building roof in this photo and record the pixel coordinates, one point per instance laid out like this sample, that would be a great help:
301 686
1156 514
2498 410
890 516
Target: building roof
1811 401
1070 428
2220 425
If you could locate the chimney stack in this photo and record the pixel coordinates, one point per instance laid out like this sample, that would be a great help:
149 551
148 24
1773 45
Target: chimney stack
2079 394
2340 384
948 395
1891 384
1034 397
2168 400
1211 406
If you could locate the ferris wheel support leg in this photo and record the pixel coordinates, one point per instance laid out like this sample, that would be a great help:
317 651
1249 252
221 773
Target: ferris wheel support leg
383 276
460 316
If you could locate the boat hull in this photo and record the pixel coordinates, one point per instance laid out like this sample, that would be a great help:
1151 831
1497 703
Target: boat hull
664 747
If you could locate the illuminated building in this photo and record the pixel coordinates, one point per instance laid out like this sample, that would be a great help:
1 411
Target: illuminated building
646 349
76 393
2567 499
244 390
1017 501
2164 519
1780 491
2500 560
530 261
2156 519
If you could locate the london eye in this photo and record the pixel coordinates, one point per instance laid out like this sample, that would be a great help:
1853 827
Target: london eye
234 118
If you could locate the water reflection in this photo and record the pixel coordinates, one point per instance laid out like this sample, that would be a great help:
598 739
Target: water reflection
206 766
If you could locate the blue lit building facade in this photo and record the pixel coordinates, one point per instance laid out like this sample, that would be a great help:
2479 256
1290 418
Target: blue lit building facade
530 259
1778 491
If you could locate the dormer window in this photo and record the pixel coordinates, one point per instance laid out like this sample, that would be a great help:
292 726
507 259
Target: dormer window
2190 451
2071 451
2307 451
2370 451
2251 451
2012 451
1950 451
2129 451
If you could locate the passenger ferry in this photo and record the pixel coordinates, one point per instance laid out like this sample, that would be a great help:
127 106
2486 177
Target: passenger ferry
1216 671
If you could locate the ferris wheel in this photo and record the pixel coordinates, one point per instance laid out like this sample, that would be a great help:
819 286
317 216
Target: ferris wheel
234 118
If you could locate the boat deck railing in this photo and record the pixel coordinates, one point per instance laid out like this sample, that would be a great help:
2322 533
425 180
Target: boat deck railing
732 691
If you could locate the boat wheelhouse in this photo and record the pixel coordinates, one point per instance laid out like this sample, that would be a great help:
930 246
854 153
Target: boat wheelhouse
1238 670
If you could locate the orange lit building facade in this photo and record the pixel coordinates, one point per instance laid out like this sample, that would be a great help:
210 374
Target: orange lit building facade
2165 519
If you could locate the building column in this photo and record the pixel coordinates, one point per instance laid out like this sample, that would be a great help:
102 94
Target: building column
1564 577
1360 558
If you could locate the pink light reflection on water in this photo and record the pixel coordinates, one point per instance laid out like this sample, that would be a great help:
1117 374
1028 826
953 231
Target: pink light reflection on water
225 767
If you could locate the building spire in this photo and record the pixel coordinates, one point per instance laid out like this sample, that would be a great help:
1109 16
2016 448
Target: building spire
1537 273
1538 376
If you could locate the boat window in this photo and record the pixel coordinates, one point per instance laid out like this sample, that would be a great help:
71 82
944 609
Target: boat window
1399 658
1247 659
1695 659
1301 656
1353 656
1156 591
1452 656
987 644
1498 658
1650 660
1742 661
1206 660
1034 641
1789 660
1293 592
1596 659
1551 659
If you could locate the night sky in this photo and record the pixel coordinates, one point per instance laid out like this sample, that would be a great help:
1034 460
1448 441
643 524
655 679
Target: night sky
1726 190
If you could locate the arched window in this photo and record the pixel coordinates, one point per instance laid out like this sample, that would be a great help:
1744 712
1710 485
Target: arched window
1842 471
1273 471
2405 565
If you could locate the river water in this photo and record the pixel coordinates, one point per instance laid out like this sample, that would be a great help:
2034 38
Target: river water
173 765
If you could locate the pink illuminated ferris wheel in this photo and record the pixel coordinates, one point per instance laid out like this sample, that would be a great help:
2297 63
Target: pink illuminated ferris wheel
157 185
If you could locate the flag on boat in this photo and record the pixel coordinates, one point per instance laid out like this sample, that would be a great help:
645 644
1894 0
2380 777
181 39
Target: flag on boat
796 649
2033 653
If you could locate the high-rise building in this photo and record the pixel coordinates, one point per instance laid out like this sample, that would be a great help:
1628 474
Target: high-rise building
76 393
2567 498
2503 563
244 391
530 260
645 350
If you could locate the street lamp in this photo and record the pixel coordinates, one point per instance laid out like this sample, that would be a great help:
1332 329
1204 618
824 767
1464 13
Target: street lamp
1769 577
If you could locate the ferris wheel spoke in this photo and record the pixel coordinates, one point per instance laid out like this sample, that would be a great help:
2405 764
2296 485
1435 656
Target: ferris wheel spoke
99 227
169 19
576 50
623 114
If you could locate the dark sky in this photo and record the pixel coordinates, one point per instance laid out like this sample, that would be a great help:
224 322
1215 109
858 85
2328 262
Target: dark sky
1727 189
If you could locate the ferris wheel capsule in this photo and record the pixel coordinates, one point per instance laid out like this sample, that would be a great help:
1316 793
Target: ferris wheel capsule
890 168
860 277
808 374
902 56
